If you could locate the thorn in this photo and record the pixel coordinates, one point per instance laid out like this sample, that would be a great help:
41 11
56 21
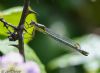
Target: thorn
14 45
31 11
25 30
8 32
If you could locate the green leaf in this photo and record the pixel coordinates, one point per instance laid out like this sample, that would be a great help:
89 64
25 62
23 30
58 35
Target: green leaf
65 61
29 53
13 16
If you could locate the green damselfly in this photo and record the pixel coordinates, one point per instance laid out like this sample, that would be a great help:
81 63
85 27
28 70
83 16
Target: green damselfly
57 37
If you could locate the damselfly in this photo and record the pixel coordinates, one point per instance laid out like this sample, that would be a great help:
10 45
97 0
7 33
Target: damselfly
57 37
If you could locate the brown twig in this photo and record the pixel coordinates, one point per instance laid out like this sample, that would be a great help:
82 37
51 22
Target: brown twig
18 31
7 24
21 28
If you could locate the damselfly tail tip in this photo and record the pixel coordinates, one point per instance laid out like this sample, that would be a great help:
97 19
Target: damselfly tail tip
84 52
80 50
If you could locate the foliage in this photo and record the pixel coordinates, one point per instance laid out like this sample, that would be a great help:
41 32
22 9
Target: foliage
79 18
12 16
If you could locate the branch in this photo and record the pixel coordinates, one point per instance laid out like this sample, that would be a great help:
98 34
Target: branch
24 13
21 28
7 24
18 31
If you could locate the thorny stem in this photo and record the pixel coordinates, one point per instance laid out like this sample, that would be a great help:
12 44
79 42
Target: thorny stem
21 28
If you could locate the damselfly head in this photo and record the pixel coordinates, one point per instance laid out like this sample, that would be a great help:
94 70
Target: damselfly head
37 25
32 23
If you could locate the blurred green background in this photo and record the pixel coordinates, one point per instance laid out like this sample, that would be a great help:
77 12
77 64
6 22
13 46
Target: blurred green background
77 19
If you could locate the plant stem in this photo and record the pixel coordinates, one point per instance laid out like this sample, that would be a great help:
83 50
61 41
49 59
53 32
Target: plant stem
21 27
